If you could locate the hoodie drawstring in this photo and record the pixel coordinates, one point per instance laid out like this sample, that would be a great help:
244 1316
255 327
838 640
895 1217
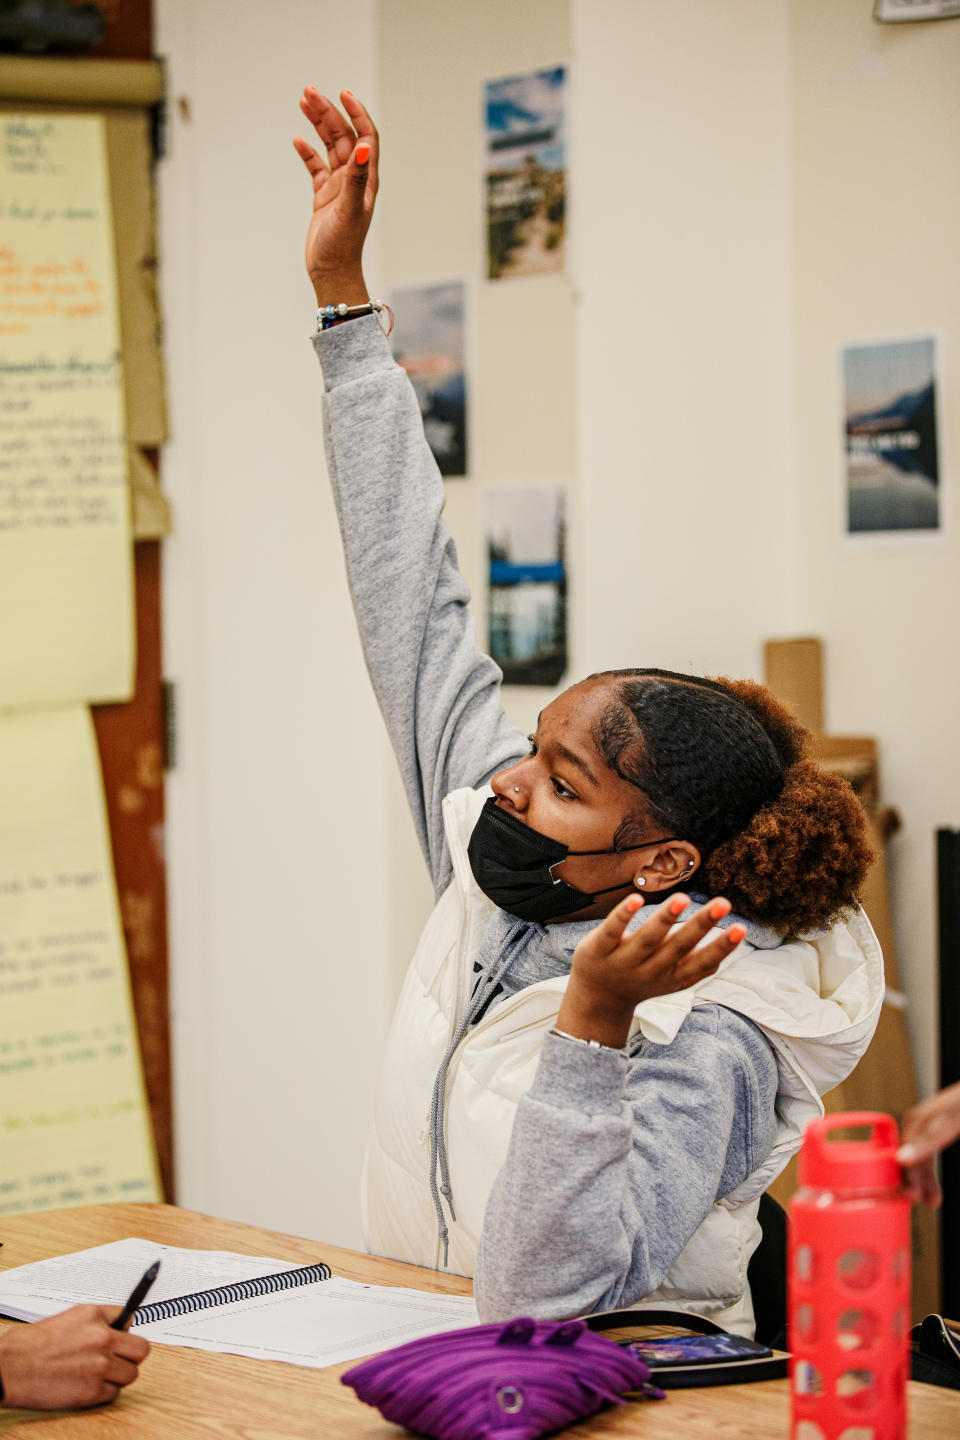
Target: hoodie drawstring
487 980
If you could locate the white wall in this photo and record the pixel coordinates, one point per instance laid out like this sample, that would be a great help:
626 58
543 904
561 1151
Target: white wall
685 334
276 842
876 115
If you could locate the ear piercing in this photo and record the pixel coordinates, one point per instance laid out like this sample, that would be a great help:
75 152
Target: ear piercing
640 880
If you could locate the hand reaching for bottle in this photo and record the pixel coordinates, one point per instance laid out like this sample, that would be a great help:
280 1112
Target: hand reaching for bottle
927 1129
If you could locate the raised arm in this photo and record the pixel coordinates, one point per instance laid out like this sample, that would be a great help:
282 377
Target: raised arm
440 697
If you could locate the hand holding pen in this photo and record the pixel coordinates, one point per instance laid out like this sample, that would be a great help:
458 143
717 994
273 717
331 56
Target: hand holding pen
76 1359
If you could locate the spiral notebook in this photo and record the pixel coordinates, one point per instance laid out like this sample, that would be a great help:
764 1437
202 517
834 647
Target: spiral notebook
241 1304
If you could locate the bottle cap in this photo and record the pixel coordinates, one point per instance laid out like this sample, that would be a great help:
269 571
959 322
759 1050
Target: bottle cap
869 1164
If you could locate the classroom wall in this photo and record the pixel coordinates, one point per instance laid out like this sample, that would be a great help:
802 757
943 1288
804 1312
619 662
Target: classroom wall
685 333
876 110
731 224
276 838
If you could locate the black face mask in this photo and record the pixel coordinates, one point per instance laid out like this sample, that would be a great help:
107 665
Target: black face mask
513 865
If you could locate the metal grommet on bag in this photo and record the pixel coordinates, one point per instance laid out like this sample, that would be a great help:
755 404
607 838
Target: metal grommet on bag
510 1399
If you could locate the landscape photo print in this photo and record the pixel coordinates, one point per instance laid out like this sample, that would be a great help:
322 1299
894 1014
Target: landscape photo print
526 174
890 422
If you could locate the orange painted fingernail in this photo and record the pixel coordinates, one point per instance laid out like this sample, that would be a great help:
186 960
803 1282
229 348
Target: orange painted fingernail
634 902
348 92
363 154
718 909
736 933
678 904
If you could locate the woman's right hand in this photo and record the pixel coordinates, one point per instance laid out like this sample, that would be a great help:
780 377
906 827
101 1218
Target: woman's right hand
614 969
344 192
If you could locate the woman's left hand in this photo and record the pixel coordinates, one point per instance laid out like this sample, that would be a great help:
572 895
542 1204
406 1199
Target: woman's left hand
614 971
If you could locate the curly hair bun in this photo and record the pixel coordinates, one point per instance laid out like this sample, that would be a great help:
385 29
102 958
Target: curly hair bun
791 740
801 861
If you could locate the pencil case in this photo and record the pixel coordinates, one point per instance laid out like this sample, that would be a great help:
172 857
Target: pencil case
500 1382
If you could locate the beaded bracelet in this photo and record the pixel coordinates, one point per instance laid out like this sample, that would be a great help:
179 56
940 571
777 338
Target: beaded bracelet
328 315
591 1044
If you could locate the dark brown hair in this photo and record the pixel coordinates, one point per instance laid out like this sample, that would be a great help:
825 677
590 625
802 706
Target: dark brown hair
723 764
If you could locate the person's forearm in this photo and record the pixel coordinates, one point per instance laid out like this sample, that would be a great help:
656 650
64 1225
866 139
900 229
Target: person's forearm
335 284
613 1165
560 1231
539 1253
438 694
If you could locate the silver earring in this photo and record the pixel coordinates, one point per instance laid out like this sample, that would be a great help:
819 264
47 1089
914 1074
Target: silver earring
640 880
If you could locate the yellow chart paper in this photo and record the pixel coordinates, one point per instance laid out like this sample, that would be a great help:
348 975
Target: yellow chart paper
74 1125
66 566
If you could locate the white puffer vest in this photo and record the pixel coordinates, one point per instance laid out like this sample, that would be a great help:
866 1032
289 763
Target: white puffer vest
817 1001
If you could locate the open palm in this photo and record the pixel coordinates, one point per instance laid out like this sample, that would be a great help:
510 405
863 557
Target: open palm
344 192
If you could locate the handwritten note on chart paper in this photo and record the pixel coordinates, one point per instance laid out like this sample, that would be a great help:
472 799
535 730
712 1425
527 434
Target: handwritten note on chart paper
66 578
74 1126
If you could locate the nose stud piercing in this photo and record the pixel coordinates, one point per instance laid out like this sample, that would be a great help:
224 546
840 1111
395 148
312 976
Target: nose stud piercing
517 789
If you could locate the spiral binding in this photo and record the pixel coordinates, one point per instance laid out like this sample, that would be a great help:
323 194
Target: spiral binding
225 1294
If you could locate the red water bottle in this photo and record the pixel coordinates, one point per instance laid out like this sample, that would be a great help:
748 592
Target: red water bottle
848 1284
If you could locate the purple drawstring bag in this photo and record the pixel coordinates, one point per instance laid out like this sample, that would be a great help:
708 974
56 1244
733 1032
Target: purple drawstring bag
500 1382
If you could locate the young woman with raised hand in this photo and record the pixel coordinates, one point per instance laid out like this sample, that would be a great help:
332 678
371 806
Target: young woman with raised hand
582 1100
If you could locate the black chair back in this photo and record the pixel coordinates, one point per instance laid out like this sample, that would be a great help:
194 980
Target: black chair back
767 1273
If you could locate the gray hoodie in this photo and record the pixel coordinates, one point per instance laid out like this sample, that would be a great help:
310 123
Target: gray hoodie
615 1158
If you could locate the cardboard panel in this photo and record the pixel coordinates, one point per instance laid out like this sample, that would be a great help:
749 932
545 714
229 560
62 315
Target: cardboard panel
793 670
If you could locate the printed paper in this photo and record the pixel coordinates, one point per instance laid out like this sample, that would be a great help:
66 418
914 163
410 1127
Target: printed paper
74 1125
66 566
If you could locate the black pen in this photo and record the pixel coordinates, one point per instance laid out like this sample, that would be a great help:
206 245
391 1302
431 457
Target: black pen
137 1298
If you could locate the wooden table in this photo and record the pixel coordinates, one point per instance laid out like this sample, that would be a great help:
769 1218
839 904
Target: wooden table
196 1395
